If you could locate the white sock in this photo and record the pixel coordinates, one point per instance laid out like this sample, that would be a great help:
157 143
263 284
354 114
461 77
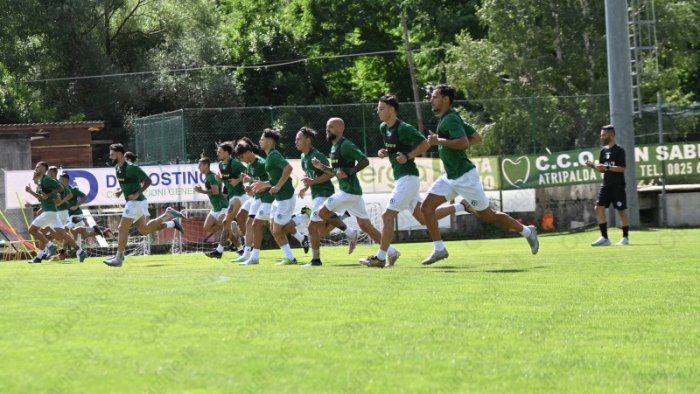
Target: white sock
40 254
219 248
119 256
391 251
48 245
299 236
526 231
246 252
170 224
287 252
381 255
348 231
80 250
458 207
439 246
255 255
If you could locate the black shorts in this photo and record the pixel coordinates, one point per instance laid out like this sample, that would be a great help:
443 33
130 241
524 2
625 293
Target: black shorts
612 194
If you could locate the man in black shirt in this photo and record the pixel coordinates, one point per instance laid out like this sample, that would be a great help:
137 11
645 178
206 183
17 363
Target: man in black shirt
612 191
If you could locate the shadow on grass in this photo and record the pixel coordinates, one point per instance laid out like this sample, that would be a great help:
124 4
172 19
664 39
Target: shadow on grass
451 269
156 265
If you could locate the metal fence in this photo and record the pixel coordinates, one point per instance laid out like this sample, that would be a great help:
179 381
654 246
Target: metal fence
529 125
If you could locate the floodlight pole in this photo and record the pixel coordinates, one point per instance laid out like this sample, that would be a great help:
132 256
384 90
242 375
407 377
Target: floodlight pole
620 93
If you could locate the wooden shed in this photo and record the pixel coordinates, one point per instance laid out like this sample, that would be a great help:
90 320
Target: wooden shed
63 144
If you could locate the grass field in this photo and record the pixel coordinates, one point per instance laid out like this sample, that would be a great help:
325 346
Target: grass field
491 318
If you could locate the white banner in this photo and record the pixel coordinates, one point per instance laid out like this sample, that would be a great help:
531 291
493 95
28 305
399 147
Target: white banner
175 183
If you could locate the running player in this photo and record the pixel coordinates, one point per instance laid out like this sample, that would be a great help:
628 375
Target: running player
219 205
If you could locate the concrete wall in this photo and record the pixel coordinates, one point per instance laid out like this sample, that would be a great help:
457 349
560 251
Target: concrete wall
683 209
15 154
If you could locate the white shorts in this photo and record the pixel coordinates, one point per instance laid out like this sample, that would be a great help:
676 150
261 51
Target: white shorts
218 215
247 205
242 198
468 186
317 204
406 194
64 217
341 201
47 219
135 209
283 211
261 210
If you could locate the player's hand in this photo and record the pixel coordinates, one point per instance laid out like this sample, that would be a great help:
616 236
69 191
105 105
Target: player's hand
28 189
133 196
217 176
118 193
57 201
401 158
73 208
317 164
600 167
198 188
27 205
589 163
382 153
302 192
259 187
274 189
433 138
307 181
341 174
245 177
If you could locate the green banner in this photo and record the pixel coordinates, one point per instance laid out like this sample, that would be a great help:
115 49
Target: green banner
679 163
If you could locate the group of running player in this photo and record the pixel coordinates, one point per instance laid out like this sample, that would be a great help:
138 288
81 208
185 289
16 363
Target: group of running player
254 187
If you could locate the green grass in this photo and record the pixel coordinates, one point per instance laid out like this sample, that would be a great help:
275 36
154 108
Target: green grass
491 318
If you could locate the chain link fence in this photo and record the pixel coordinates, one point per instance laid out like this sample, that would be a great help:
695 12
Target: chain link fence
530 125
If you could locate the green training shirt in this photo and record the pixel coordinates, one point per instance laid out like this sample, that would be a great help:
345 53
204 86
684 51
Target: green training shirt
45 186
77 195
325 189
345 155
274 165
130 177
451 127
256 170
218 201
232 170
401 137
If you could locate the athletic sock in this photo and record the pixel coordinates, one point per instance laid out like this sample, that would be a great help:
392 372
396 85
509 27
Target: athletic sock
625 231
40 254
603 229
301 218
458 207
119 256
299 236
287 252
169 224
219 248
391 251
316 254
348 231
255 255
246 252
526 231
381 254
439 246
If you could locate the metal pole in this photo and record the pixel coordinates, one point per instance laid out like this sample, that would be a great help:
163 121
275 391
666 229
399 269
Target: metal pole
412 72
620 92
664 206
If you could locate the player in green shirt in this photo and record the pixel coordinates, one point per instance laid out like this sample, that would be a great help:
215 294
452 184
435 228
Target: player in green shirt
280 185
320 185
133 182
346 161
48 192
230 171
260 208
219 205
453 138
402 144
75 218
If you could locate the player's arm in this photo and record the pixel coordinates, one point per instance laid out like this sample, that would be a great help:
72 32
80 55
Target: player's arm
361 165
58 190
29 190
286 173
78 203
65 199
461 143
145 184
474 138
